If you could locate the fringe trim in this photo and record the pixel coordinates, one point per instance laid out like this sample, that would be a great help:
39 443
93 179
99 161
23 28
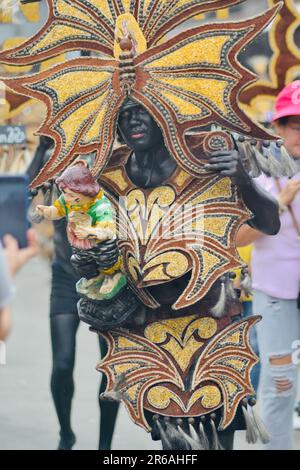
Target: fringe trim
218 310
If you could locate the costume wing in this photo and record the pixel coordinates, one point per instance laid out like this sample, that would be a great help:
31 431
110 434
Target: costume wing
72 25
90 25
81 106
197 235
228 361
158 17
194 80
132 365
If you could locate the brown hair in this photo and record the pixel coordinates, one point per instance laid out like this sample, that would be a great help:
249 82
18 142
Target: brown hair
79 179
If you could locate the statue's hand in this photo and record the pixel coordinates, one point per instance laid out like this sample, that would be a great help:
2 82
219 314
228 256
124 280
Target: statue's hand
45 211
228 163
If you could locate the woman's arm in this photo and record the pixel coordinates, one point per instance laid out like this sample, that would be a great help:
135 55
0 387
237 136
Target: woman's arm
11 261
262 204
247 235
39 159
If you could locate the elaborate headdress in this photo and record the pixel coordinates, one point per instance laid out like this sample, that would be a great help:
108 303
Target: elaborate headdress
186 82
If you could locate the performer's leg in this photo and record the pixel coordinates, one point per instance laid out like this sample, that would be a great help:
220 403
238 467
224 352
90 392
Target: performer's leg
63 333
108 410
277 332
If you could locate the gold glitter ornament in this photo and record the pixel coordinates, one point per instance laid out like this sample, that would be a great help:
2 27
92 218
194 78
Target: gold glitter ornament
158 378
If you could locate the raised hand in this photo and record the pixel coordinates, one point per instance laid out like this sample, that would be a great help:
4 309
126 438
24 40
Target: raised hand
16 257
289 192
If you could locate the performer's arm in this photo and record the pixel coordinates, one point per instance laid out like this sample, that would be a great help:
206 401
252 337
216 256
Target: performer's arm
38 160
262 204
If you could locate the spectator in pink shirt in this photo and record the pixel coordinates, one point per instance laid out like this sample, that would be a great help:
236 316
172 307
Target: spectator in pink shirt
276 282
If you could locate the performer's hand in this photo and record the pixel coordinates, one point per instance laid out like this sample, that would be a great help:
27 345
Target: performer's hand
228 163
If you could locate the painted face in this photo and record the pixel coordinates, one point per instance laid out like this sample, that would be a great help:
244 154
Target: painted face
73 198
290 133
138 129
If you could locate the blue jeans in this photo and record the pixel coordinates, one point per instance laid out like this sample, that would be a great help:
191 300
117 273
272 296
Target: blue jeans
247 312
277 332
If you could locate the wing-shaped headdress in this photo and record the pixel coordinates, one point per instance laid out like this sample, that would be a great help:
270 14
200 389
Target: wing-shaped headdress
186 82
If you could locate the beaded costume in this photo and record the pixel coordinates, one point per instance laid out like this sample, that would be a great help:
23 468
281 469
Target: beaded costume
175 361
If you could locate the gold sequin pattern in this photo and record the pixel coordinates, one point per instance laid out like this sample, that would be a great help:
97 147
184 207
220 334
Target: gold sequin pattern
160 397
71 124
74 83
65 9
220 190
57 34
167 265
181 344
207 50
181 178
205 89
216 225
117 177
182 107
209 395
146 212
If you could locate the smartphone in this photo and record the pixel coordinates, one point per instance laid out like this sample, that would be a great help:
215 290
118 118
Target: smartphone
13 207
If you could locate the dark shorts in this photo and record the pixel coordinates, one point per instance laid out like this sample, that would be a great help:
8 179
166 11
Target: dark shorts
63 298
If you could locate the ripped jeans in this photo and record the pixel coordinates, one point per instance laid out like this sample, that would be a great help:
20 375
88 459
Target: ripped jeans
276 332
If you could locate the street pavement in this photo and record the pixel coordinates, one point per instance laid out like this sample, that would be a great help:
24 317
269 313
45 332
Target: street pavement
27 416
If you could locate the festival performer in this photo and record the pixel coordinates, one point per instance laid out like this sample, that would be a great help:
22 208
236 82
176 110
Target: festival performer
178 356
64 320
